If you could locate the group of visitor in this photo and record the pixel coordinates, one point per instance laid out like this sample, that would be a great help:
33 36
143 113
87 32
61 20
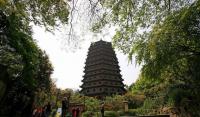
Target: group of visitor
44 111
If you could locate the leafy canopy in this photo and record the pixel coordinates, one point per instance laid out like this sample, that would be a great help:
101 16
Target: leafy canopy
172 46
40 12
135 18
171 62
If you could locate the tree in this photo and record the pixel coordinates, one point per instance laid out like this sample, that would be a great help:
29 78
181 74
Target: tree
170 58
43 81
23 63
46 13
133 19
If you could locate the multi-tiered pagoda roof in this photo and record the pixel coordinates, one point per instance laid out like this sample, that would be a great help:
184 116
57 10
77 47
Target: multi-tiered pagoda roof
102 74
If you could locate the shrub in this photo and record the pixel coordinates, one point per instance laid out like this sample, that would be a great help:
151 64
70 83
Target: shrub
87 113
114 102
131 112
121 113
111 114
91 114
92 104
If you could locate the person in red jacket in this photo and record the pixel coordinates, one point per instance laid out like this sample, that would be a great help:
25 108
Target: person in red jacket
73 112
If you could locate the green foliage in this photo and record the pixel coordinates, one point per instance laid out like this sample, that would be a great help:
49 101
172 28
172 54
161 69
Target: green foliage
87 114
77 98
26 69
170 57
142 84
130 112
150 104
135 100
134 19
92 104
91 114
173 45
111 114
40 12
114 102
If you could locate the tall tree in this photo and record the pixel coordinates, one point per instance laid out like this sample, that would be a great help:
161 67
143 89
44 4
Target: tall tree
171 59
25 65
47 13
133 19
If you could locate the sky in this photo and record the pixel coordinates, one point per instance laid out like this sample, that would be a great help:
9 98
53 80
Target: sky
68 55
69 63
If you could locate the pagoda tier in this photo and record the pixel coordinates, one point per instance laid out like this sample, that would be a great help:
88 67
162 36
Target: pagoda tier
102 74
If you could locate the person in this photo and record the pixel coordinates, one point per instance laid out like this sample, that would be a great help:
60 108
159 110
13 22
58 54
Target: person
77 112
102 109
34 112
43 113
48 109
73 112
64 107
38 112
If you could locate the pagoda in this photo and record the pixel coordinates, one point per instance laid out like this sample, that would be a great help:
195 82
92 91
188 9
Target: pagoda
102 74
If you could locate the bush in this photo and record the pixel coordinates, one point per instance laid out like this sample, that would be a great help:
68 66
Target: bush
87 113
114 103
135 100
91 114
92 104
151 103
121 113
111 114
131 112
